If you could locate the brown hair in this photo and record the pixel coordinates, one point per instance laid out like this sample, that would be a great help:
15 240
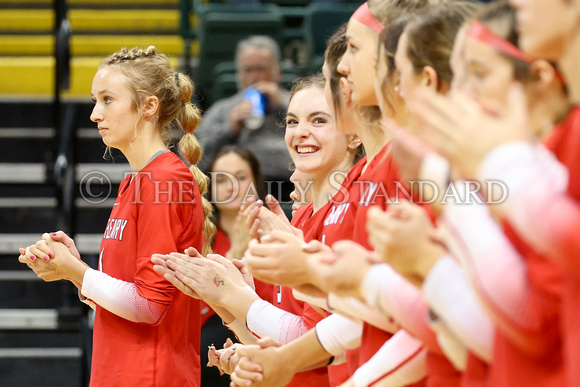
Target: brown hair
387 11
431 34
252 161
313 80
389 41
149 73
500 17
317 80
335 49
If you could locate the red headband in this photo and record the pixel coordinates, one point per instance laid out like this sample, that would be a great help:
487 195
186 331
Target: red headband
363 15
482 33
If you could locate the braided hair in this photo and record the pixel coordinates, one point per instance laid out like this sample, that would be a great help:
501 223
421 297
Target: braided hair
150 73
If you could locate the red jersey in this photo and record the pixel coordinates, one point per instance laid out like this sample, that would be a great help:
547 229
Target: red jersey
284 299
476 372
338 217
546 276
159 211
564 142
378 186
340 211
511 364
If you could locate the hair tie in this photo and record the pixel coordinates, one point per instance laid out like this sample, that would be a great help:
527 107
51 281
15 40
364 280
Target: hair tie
364 16
177 79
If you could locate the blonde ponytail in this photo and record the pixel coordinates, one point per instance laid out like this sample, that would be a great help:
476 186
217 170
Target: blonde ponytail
191 149
189 118
148 73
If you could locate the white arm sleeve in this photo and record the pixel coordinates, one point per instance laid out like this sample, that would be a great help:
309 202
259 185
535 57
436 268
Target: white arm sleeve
241 332
266 320
337 334
121 298
520 165
384 289
399 362
452 298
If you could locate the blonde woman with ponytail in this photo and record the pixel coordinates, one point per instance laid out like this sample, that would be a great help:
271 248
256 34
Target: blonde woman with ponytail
146 331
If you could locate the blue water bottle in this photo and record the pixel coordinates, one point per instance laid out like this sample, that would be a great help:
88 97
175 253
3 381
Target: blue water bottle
258 100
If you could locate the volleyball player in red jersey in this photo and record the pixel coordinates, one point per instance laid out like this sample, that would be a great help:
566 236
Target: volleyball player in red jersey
554 231
527 345
320 151
549 225
383 181
146 332
336 225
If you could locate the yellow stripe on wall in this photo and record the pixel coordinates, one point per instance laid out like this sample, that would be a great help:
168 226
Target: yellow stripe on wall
35 76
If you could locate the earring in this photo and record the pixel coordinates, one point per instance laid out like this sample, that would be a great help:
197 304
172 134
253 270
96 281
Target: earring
396 89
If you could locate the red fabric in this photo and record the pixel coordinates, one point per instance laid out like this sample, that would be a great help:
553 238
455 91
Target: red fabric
337 222
476 372
282 297
565 143
377 186
538 360
340 211
544 366
158 212
363 15
440 372
374 187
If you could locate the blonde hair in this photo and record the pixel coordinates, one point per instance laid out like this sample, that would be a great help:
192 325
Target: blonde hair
149 73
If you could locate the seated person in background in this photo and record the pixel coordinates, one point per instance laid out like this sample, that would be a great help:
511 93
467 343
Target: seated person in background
226 121
234 177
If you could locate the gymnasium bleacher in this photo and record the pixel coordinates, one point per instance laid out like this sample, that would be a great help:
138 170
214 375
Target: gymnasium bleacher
52 172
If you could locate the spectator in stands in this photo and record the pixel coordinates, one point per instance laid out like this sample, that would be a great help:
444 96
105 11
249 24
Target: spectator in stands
226 122
235 177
